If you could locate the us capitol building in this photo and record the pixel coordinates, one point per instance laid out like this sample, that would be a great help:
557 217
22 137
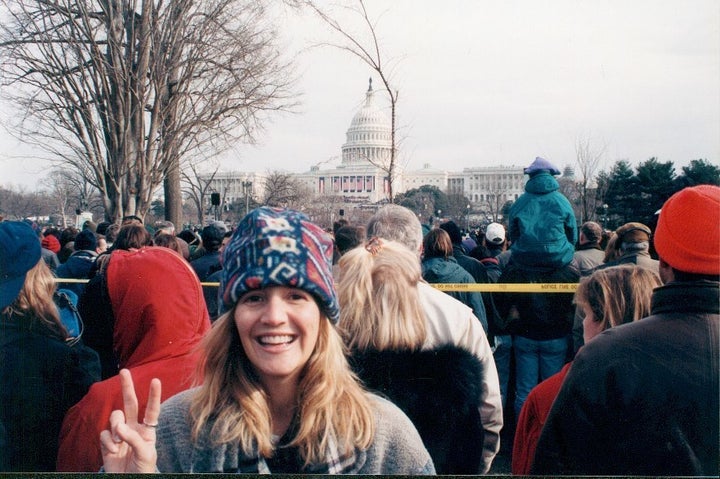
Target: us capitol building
359 181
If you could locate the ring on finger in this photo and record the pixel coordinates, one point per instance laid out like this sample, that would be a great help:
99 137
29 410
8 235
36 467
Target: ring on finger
154 426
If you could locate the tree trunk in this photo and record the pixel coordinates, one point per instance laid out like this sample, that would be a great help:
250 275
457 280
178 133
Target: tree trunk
173 196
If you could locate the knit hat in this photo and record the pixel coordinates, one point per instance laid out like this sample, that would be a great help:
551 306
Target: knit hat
632 233
51 243
19 253
85 240
453 230
687 236
495 233
541 164
280 247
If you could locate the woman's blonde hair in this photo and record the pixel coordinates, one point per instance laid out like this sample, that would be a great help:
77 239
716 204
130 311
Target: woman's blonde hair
617 295
35 303
331 403
379 299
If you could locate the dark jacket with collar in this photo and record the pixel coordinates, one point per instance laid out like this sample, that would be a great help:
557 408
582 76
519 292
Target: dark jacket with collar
642 398
638 258
470 264
40 379
540 316
438 389
588 257
441 270
77 266
206 264
480 273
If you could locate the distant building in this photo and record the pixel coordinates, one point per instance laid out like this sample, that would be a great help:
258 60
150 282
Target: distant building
359 179
235 186
484 184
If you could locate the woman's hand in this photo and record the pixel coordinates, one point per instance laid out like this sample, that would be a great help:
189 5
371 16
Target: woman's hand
129 445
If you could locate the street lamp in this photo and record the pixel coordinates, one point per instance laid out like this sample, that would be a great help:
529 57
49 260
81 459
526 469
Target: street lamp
467 217
247 186
439 216
605 214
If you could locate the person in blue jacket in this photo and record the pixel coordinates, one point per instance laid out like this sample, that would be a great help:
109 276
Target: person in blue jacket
439 266
542 225
543 231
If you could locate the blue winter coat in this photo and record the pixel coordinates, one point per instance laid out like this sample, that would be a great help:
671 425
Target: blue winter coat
77 266
542 225
439 270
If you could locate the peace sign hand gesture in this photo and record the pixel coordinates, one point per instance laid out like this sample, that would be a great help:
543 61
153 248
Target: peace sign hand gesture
129 445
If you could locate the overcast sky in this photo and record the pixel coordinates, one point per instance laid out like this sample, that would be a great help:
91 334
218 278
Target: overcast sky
486 83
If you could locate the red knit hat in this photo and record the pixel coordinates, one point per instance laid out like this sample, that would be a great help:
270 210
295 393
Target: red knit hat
688 231
51 242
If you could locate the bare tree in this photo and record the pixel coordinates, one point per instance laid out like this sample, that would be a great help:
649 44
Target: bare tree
324 210
125 92
493 206
18 203
589 157
283 189
197 187
65 190
368 51
497 195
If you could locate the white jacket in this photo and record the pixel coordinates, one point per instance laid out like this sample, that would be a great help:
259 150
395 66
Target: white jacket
451 322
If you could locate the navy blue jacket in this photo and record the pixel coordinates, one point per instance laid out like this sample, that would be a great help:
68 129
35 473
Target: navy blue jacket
40 379
77 266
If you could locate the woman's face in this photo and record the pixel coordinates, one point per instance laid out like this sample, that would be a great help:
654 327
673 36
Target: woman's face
278 328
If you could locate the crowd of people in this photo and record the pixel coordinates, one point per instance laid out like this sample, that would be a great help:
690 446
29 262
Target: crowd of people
329 351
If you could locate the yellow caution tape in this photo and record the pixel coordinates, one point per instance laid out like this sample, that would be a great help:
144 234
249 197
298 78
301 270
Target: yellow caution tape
508 287
470 287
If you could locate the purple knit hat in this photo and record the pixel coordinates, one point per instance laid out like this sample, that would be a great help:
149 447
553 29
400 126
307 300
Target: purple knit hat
541 164
278 247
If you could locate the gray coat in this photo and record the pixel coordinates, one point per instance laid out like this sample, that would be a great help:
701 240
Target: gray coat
396 449
587 259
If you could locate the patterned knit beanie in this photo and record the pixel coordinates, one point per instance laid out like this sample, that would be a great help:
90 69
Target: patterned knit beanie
687 235
280 247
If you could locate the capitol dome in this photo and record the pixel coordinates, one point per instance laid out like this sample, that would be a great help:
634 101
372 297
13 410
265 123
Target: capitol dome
368 140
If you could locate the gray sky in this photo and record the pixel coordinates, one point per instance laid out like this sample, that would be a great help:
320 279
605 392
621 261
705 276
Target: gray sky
486 83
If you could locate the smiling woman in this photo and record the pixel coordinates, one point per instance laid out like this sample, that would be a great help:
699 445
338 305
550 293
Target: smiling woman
278 394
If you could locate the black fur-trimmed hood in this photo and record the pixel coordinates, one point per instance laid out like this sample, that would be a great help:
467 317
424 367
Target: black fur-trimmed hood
440 391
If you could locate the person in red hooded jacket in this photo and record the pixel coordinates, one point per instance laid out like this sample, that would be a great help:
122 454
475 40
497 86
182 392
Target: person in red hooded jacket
160 317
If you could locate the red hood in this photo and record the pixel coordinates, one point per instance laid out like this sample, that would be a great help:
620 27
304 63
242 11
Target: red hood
158 305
